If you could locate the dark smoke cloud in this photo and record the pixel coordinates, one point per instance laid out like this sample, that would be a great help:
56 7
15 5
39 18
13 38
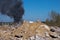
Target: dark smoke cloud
12 8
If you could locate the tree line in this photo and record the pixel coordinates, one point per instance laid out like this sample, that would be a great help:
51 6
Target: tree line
54 19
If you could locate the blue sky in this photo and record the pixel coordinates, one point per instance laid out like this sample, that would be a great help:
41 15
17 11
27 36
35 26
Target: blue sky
5 18
37 9
40 9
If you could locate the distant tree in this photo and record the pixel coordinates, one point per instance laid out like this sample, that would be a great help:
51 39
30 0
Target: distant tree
54 19
47 21
54 16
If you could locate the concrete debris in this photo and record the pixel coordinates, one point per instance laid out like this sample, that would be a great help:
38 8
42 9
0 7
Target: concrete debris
29 30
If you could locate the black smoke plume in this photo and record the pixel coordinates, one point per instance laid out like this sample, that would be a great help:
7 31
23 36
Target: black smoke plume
12 8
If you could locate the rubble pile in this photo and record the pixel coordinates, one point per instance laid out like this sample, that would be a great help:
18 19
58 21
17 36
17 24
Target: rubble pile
29 30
